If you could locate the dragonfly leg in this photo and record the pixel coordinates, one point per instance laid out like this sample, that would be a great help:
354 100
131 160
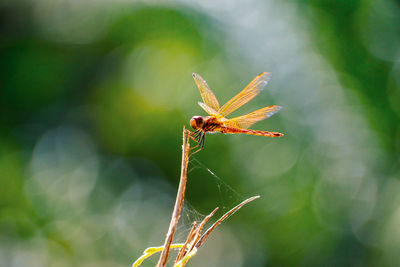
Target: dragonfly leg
194 135
200 144
197 136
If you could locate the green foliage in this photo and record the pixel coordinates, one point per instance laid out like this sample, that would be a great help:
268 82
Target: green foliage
93 97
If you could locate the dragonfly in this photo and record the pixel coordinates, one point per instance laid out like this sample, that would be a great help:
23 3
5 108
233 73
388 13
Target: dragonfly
217 121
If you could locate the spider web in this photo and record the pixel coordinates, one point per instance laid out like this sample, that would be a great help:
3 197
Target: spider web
226 198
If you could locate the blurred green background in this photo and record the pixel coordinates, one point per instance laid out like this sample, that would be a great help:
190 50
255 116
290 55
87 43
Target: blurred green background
94 95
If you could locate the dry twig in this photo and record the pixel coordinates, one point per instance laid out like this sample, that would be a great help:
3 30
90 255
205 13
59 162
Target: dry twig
226 215
182 251
178 202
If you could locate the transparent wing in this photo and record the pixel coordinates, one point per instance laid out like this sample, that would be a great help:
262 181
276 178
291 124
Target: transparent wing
247 120
209 110
248 93
206 93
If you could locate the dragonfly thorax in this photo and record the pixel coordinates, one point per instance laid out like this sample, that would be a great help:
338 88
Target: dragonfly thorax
197 122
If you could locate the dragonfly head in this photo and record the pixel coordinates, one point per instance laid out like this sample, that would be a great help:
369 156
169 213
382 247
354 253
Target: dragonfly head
197 122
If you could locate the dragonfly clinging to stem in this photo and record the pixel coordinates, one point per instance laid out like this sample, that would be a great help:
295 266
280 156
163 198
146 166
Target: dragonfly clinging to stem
217 121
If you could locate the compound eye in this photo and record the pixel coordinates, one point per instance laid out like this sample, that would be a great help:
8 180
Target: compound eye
197 122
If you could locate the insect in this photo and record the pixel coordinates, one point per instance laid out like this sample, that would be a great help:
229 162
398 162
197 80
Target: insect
216 121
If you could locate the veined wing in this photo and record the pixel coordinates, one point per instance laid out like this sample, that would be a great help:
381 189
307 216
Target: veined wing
247 120
208 109
248 93
206 94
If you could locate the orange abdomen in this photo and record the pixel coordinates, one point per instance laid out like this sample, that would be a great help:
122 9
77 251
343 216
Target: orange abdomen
252 132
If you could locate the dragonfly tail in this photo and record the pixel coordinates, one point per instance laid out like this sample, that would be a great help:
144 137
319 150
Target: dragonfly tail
252 132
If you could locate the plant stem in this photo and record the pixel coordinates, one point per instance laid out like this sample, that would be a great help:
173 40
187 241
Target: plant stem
178 202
